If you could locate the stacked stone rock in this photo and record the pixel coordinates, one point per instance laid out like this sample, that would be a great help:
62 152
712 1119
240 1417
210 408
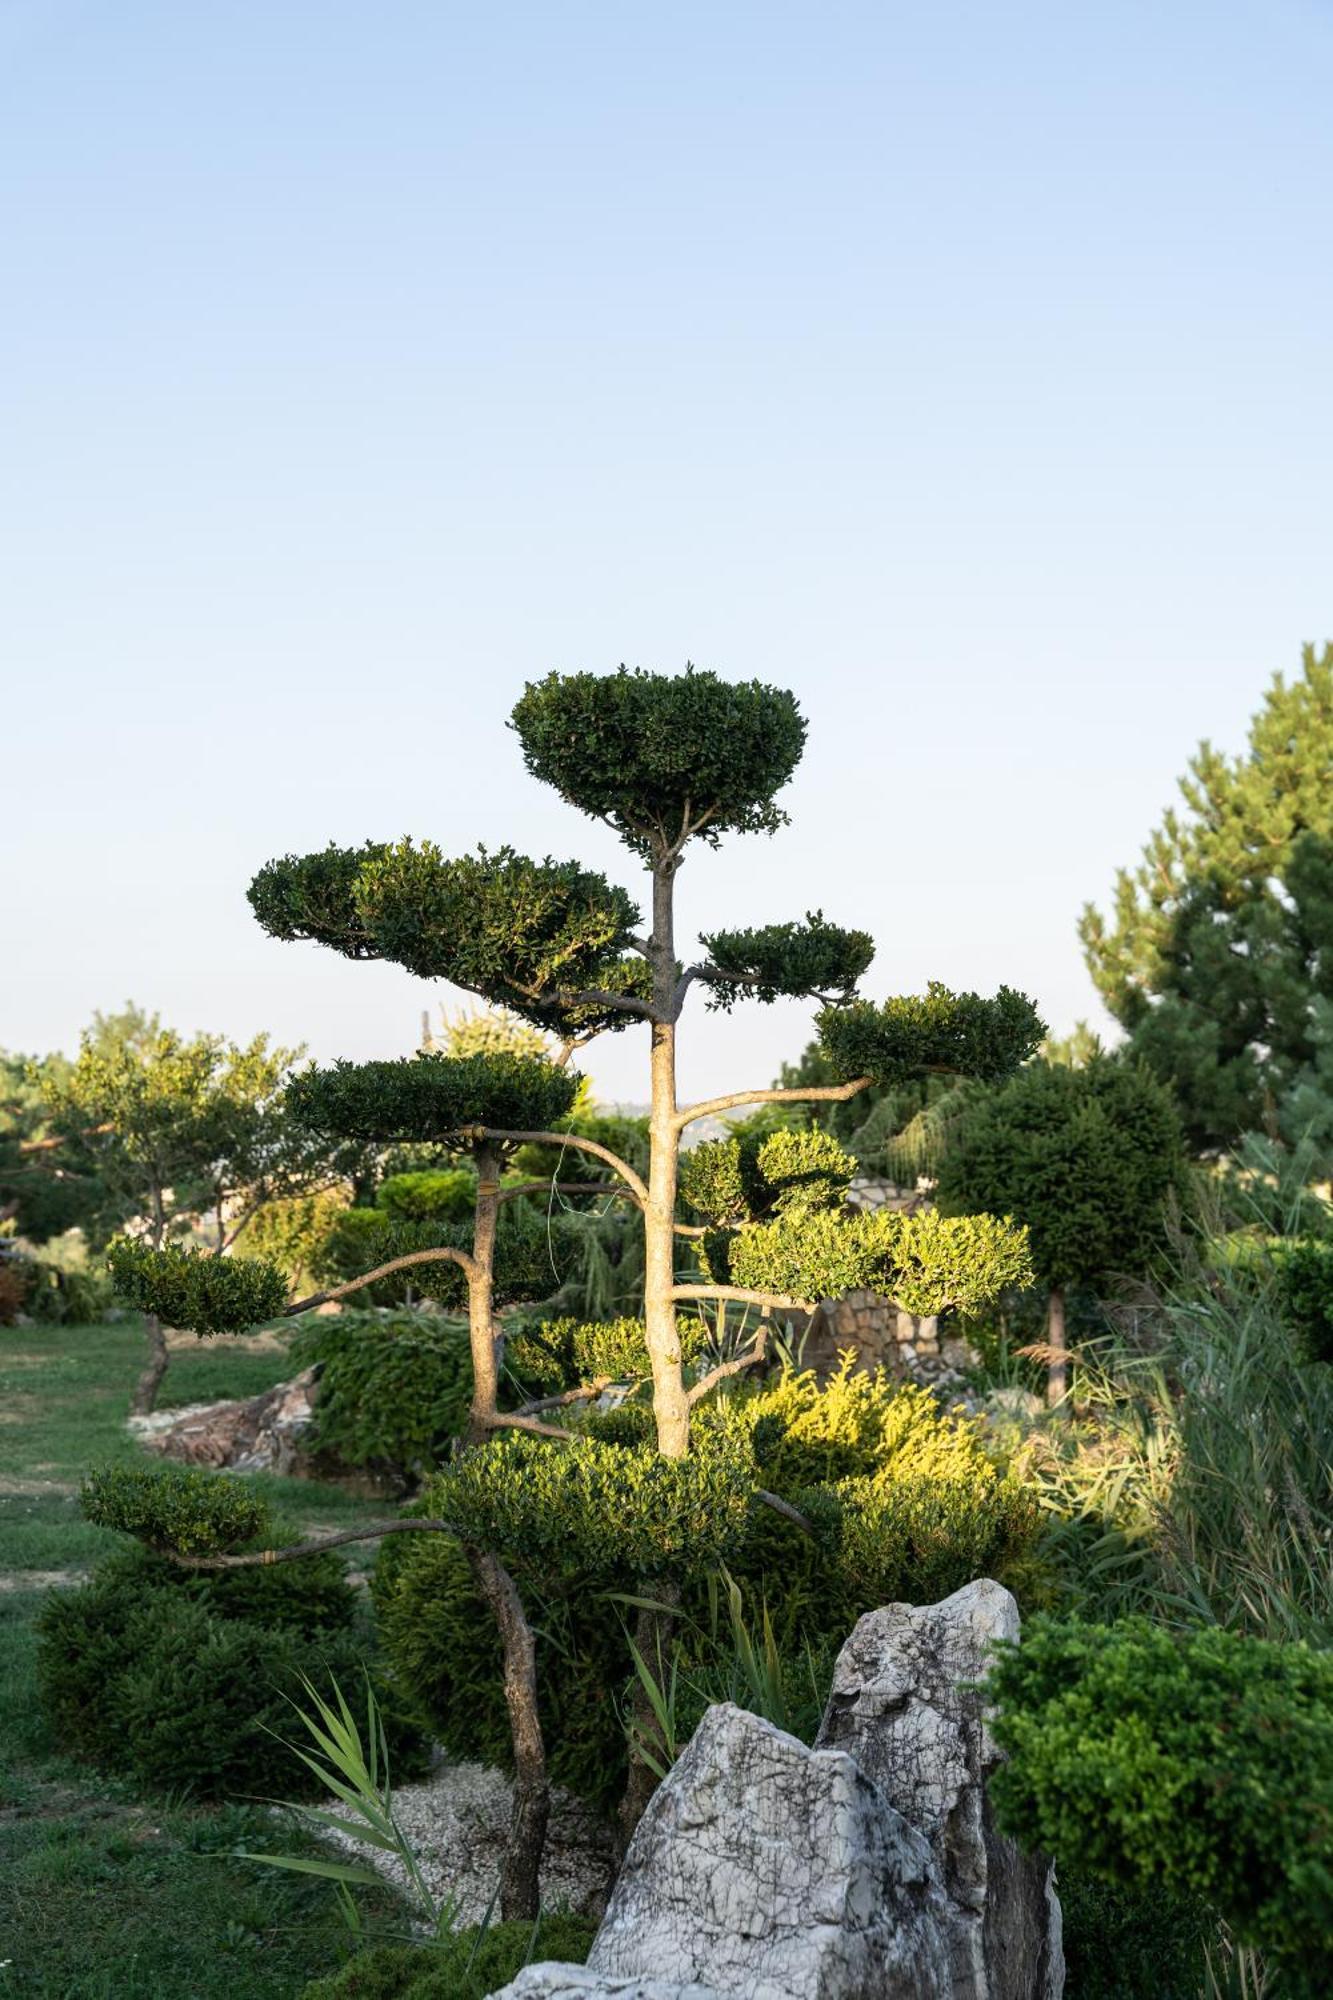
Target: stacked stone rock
878 1331
867 1868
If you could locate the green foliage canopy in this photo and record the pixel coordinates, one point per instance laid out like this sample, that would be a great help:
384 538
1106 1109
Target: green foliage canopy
1086 1158
1218 959
926 1263
663 758
523 934
814 958
959 1033
182 1508
194 1290
755 1174
432 1097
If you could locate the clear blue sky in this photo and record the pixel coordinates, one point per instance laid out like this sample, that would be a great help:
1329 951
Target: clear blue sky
968 369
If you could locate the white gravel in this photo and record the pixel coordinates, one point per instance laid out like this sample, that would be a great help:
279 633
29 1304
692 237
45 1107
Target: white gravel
455 1821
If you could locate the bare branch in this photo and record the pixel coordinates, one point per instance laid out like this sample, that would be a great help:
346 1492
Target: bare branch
514 1420
780 1300
593 1146
823 1093
583 1394
785 1508
441 1256
261 1558
568 1187
751 1356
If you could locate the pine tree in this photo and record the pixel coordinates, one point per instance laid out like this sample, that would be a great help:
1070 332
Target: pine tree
1218 962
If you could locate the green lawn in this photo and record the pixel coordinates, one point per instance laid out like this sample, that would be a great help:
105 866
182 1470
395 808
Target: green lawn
105 1896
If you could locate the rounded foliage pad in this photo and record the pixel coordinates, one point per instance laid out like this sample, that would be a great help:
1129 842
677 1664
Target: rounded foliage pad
311 896
184 1508
663 757
195 1290
431 1097
958 1034
526 934
814 958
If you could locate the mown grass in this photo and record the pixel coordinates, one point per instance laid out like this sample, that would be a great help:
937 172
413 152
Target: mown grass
105 1896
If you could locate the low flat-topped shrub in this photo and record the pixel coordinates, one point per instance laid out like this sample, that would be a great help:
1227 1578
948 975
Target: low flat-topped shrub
185 1679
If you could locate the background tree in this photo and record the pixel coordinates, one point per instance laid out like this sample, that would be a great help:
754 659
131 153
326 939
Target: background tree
1087 1158
1218 961
47 1185
178 1128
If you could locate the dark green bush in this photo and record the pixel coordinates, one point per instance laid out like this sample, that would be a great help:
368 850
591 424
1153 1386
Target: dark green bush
1125 1946
393 1388
466 1965
431 1194
938 1030
1191 1767
432 1097
440 1641
185 1679
559 1353
1305 1283
196 1290
361 1239
186 1508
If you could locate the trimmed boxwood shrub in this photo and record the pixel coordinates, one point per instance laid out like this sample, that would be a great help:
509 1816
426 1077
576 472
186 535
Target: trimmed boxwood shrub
465 1965
1184 1766
181 1678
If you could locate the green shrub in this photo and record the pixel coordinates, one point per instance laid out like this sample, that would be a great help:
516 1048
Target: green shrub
928 1263
363 1238
466 1965
1125 1946
559 1353
905 1503
393 1388
64 1286
185 1679
290 1232
196 1290
437 1194
1192 1767
186 1508
595 1510
1305 1284
938 1030
441 1645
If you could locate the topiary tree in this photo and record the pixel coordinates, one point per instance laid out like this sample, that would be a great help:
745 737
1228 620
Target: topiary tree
665 761
1086 1158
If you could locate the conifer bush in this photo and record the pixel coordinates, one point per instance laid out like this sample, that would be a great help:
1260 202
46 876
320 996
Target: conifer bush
393 1389
467 1964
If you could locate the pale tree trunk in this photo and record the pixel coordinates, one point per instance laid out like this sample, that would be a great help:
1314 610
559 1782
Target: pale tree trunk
144 1400
654 1629
531 1801
1057 1367
148 1387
